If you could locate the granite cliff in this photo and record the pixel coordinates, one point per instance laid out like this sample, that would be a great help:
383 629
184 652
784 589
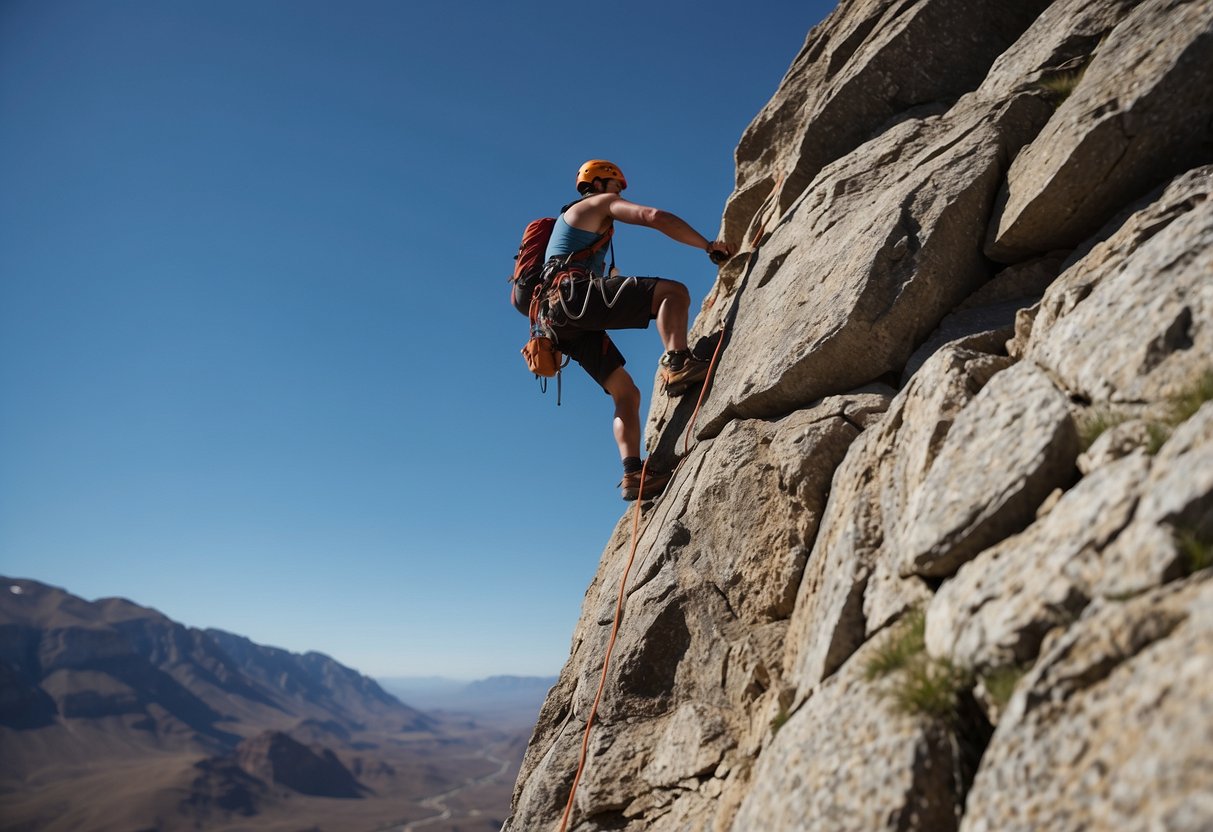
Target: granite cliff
937 553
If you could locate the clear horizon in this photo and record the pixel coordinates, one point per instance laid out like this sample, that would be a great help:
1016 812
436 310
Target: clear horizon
258 368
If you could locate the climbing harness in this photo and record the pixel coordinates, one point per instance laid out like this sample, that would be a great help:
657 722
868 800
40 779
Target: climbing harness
570 277
531 268
539 352
530 286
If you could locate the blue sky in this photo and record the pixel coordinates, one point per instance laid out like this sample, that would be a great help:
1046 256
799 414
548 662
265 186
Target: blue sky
257 368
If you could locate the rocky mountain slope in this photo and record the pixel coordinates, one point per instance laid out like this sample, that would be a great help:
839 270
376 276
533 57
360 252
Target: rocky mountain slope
67 657
115 717
937 555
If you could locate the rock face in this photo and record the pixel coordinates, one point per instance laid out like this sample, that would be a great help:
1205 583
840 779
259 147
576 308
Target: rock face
938 552
1136 116
1111 729
915 789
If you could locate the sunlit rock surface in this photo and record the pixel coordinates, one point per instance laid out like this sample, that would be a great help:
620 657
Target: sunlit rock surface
968 350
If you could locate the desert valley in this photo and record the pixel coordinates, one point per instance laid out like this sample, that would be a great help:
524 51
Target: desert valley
115 717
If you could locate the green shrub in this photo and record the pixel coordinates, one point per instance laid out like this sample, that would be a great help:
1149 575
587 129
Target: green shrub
919 685
930 687
1094 424
906 643
1060 85
1197 551
1159 434
780 720
1180 408
1000 682
1189 400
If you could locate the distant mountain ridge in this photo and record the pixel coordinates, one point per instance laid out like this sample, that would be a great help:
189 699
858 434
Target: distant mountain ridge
511 684
63 656
113 716
319 680
493 696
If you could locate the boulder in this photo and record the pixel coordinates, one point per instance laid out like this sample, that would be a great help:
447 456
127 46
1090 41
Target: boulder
1174 515
816 773
1117 442
704 623
986 319
868 262
999 606
759 499
1132 319
1006 451
1113 727
1139 114
692 743
1058 43
849 80
870 491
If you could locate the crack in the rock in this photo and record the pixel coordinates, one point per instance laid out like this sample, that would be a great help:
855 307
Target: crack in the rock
728 605
1157 628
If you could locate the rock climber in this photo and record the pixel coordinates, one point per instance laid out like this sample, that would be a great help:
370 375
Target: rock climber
593 301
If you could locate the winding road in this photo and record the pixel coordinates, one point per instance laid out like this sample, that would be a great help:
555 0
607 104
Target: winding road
438 801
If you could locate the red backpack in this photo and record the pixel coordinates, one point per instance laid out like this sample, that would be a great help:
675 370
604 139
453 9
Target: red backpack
526 288
529 262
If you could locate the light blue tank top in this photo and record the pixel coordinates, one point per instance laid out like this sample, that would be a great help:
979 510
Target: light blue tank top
566 240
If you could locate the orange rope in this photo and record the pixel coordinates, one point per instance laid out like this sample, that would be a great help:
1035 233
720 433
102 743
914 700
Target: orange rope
585 742
623 584
686 437
763 207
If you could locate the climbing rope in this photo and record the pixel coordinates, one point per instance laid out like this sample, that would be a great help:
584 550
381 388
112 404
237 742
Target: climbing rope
686 437
636 533
585 742
600 282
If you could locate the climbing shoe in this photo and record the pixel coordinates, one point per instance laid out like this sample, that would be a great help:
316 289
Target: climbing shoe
680 372
654 483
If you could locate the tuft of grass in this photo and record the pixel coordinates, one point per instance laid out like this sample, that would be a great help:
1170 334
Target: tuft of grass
923 686
1095 424
1159 433
907 643
931 687
1180 408
1189 400
1058 86
780 720
1197 550
1000 682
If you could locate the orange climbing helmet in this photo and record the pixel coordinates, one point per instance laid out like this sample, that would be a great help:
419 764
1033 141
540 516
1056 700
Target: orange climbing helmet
598 169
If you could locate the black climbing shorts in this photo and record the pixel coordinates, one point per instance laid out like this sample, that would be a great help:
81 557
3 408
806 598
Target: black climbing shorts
593 350
589 306
604 303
